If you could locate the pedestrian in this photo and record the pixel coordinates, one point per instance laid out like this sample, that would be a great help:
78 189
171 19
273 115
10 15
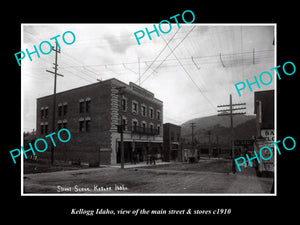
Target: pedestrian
246 164
152 160
247 153
148 156
233 167
148 159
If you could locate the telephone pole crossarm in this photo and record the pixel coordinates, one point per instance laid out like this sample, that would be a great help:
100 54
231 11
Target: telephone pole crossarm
229 112
239 108
231 105
54 73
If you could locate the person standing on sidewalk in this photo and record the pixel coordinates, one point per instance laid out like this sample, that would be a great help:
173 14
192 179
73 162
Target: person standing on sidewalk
152 159
233 167
246 164
148 155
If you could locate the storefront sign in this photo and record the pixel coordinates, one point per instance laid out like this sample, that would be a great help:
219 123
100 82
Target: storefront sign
267 134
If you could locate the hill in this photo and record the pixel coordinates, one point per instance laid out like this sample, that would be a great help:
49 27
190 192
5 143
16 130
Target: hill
219 126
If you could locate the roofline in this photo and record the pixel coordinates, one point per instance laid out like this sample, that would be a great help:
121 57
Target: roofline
121 83
75 88
137 93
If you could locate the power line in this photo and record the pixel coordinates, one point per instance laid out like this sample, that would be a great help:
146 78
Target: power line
77 61
81 77
189 75
169 53
157 56
259 54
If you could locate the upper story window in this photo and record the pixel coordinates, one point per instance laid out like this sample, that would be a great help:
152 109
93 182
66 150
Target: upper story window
151 126
81 107
65 108
124 122
62 124
81 125
124 103
135 107
88 104
143 110
144 125
44 128
62 109
151 112
59 125
84 124
44 112
134 125
158 114
85 105
87 124
158 129
59 109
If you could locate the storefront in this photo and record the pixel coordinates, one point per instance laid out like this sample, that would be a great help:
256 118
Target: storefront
264 110
136 151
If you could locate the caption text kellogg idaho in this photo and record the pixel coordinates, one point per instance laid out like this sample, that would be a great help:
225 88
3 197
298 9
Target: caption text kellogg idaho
142 211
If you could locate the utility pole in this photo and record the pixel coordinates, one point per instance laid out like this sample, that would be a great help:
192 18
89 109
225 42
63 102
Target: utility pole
121 126
209 146
217 138
231 114
193 150
54 97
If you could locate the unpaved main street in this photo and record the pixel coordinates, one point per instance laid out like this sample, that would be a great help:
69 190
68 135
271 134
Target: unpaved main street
211 176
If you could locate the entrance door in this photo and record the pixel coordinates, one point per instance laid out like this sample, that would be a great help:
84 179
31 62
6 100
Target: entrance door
128 155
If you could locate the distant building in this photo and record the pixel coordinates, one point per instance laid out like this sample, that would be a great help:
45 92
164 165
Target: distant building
264 110
91 113
29 137
171 146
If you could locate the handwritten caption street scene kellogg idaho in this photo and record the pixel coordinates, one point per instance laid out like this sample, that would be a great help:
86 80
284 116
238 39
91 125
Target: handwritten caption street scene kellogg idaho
95 188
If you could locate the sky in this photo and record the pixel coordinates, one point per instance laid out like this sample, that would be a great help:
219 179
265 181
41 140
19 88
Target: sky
192 69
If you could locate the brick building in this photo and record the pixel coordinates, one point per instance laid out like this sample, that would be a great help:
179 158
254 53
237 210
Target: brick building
171 135
91 113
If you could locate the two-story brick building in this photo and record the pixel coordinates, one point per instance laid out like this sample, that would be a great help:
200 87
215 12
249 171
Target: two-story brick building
91 113
171 136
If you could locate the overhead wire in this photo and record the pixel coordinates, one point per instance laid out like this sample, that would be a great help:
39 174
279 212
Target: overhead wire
157 56
189 75
169 54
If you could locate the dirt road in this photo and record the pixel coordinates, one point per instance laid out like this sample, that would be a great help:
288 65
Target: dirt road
178 178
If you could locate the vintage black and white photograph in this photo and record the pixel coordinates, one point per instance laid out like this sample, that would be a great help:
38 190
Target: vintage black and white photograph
148 109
